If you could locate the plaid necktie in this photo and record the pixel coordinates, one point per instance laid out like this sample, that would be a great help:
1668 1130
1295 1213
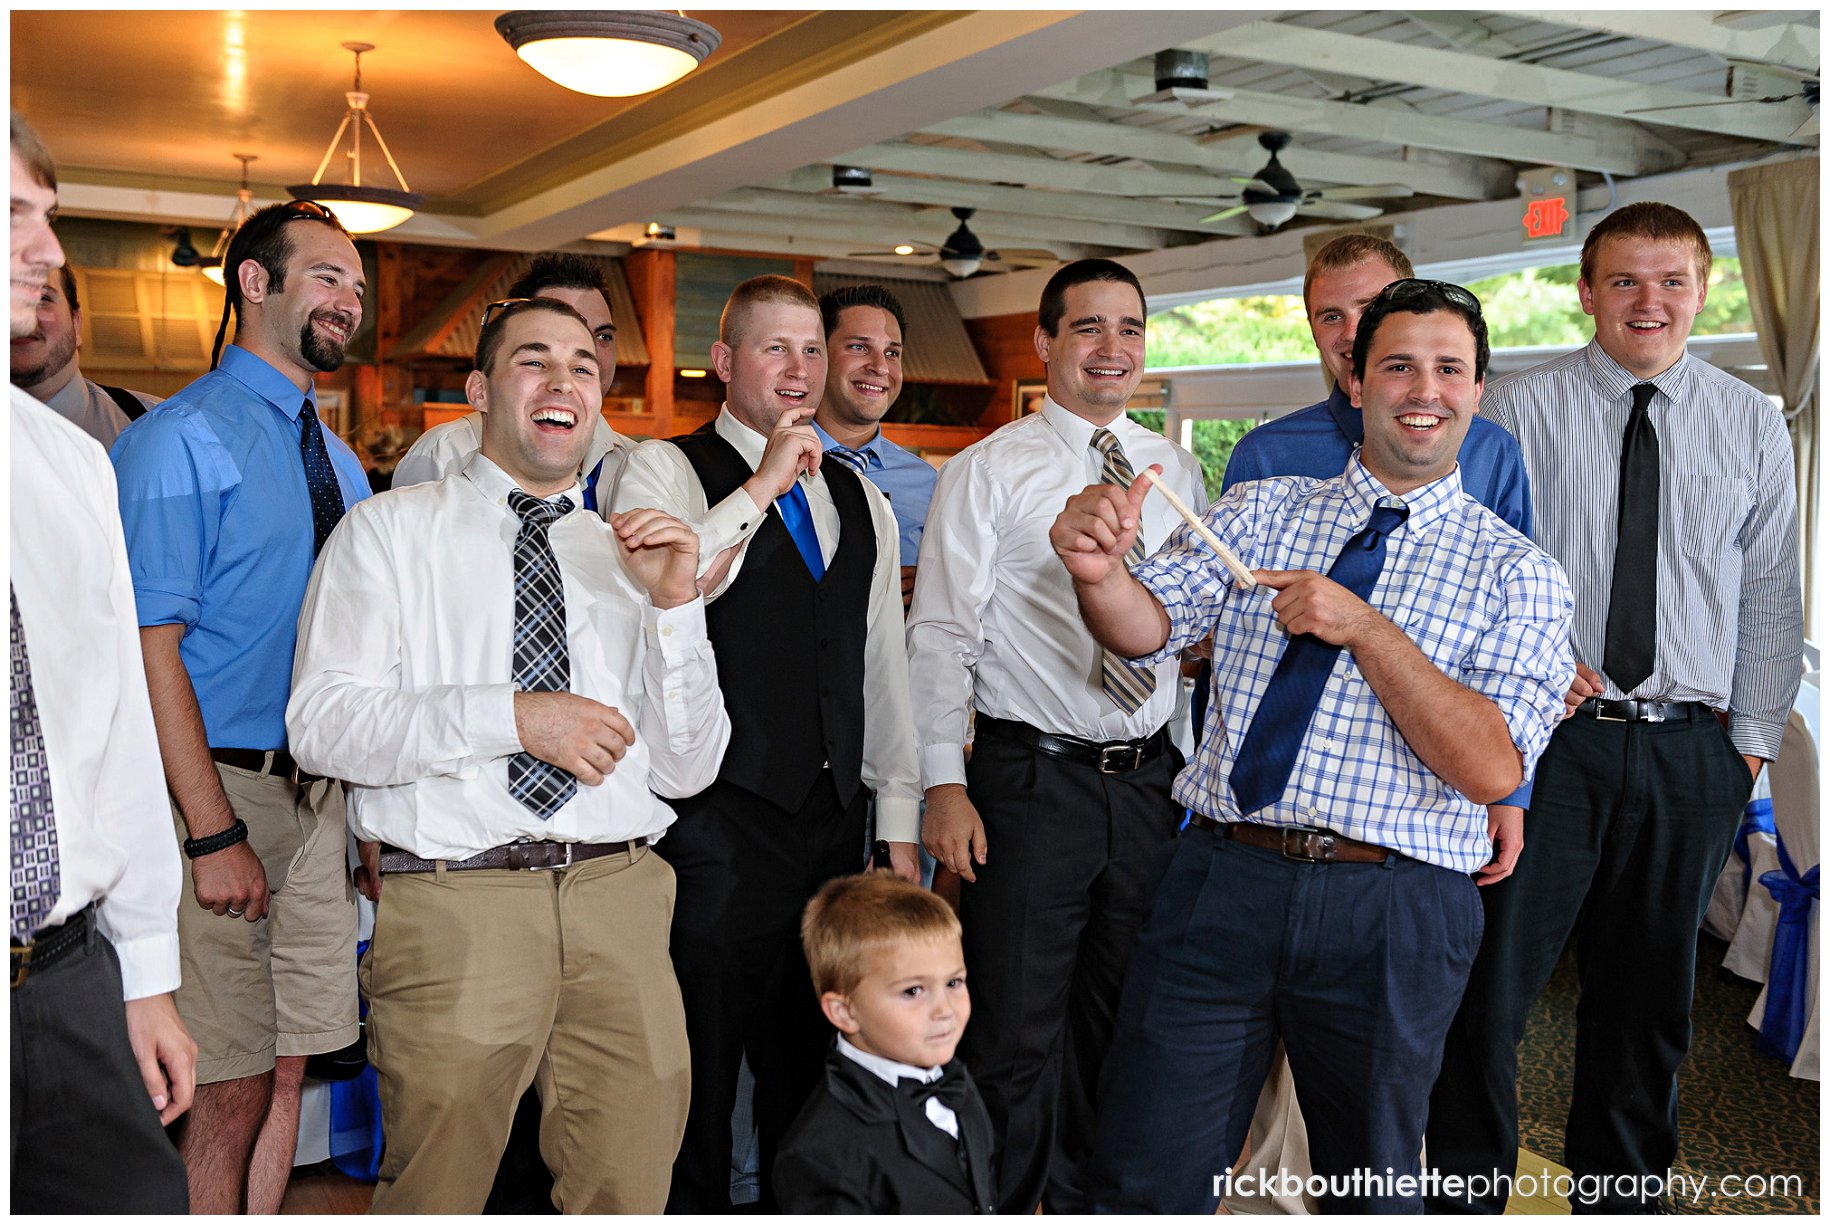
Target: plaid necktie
858 461
1129 685
541 661
320 478
1268 753
33 831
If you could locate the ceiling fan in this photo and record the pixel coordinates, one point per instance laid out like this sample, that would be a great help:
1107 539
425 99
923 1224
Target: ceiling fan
962 254
1273 196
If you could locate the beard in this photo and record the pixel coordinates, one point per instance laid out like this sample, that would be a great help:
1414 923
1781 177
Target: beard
54 359
319 353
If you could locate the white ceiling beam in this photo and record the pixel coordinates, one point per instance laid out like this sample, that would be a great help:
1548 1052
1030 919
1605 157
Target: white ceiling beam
1464 32
1609 145
1039 171
1788 44
811 180
1459 178
890 222
1383 60
929 228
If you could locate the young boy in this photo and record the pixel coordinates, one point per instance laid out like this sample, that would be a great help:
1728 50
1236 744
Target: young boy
897 1124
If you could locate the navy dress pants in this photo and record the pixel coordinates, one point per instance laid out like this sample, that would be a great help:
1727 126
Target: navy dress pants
1358 967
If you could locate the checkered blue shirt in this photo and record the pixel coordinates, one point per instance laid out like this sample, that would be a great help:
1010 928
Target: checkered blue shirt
1482 602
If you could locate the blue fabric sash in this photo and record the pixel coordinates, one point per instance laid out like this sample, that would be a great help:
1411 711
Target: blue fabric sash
1788 1001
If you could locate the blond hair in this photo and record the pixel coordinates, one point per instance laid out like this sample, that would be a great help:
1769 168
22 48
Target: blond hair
1350 250
756 291
854 916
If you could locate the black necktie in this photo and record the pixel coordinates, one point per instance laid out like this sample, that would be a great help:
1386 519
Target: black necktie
320 478
1632 637
542 662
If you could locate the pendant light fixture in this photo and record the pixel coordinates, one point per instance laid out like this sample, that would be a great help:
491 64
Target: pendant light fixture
609 53
362 209
244 204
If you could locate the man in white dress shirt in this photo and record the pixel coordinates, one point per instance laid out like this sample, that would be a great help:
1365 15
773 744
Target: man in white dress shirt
576 281
44 364
505 750
806 614
94 877
1058 823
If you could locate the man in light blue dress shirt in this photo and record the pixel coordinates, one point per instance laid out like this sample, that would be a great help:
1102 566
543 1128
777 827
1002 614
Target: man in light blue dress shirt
227 493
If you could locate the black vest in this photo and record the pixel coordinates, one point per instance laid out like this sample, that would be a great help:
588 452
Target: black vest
790 650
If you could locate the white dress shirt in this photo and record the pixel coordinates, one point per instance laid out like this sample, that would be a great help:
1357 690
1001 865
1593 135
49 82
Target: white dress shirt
93 411
994 622
658 474
69 575
402 684
889 1072
444 449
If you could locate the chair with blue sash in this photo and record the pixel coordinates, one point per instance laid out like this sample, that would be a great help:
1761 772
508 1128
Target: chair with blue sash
1786 1012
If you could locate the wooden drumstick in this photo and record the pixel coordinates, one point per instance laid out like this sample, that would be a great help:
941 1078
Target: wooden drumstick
1226 555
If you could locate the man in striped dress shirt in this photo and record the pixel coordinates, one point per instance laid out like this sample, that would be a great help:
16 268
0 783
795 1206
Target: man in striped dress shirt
1323 891
1665 487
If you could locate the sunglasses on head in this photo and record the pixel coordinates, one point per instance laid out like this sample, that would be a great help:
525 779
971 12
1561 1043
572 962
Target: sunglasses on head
490 311
1411 288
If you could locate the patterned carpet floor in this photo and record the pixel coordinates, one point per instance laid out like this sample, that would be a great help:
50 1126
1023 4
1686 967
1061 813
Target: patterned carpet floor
1741 1115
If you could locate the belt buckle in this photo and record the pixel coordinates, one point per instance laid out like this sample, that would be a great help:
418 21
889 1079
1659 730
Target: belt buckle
1601 712
24 954
554 867
1109 763
1300 838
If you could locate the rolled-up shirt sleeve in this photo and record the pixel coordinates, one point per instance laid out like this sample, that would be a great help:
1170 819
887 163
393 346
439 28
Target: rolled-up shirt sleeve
684 719
168 488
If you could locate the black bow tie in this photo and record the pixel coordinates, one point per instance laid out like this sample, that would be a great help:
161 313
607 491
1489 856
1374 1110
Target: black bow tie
950 1088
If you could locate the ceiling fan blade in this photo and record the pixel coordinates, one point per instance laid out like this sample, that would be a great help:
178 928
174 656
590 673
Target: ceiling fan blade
1258 185
1372 191
1338 211
1223 214
1022 255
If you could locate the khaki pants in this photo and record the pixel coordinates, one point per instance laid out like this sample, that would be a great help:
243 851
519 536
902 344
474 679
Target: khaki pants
482 982
1280 1143
286 984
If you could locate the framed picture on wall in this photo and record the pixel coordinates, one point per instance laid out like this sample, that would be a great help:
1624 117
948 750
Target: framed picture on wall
1028 398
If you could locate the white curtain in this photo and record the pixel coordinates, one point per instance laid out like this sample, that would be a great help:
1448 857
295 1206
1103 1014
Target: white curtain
1776 227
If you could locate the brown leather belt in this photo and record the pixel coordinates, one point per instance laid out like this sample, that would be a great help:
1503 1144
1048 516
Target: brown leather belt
277 762
49 945
531 856
1303 845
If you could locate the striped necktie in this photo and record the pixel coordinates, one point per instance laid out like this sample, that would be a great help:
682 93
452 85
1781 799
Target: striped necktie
542 662
861 461
1128 684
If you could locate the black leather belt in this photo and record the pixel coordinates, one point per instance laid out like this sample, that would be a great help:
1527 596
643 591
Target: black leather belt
1303 845
1108 757
1633 710
277 762
532 856
51 945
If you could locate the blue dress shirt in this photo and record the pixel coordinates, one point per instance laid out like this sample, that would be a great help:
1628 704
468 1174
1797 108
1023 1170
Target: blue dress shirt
219 537
905 478
1316 441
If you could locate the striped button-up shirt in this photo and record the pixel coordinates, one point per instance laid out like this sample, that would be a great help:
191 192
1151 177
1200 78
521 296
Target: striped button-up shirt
1481 602
1730 610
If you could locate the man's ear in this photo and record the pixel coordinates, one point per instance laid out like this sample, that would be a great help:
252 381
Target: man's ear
251 279
1354 386
1042 342
721 361
76 327
476 389
838 1010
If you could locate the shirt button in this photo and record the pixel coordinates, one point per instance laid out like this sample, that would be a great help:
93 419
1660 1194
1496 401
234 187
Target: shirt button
667 631
673 695
1311 813
1326 744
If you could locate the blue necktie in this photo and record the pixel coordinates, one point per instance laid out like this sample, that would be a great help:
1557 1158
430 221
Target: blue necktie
1262 769
591 485
320 478
797 517
858 461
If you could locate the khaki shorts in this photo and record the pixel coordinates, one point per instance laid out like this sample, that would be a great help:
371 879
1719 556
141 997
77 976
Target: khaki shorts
287 984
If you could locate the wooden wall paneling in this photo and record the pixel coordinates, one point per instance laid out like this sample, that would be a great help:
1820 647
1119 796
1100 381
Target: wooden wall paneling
1007 345
651 280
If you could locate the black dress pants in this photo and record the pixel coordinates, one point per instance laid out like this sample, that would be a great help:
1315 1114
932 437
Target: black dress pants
744 871
1629 826
85 1137
1072 858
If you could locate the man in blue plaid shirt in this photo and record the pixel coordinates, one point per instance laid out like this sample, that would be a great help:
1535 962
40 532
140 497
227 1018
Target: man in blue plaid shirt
1402 663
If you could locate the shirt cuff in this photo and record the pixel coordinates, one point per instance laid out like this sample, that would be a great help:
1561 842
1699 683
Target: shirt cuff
898 820
676 632
1520 798
732 521
492 732
149 965
1756 737
941 764
154 607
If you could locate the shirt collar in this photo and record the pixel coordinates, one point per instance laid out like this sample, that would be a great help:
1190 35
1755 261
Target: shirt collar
887 1070
748 442
1076 430
828 442
1615 382
1347 418
265 381
1425 504
496 484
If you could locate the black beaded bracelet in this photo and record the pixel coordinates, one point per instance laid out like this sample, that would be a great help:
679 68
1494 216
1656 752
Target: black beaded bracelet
196 848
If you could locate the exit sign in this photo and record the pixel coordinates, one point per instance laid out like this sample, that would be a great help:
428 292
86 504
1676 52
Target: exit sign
1548 200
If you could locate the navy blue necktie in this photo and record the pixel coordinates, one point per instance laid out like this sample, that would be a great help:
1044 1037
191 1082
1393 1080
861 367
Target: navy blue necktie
797 517
320 478
1262 768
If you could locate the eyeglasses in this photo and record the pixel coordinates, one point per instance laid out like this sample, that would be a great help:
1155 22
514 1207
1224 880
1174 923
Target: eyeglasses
1411 288
505 304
